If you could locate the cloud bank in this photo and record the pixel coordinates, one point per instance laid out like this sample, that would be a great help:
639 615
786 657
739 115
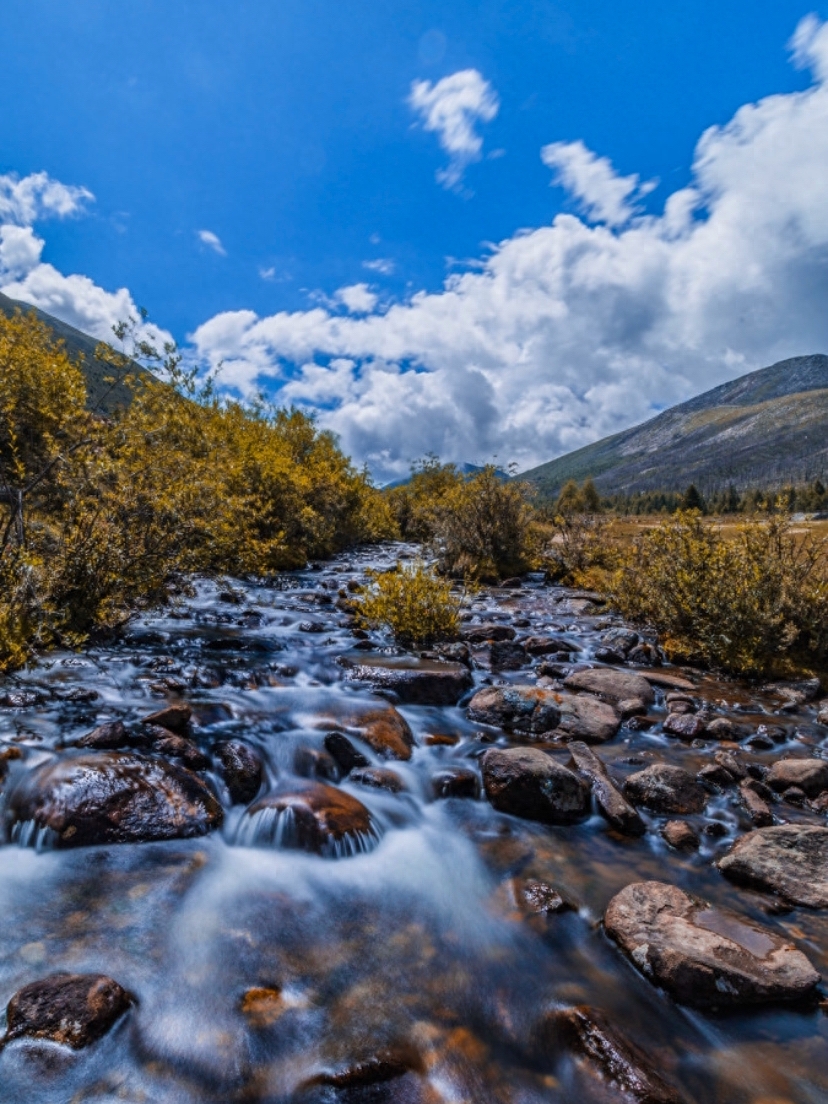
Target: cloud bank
451 109
583 327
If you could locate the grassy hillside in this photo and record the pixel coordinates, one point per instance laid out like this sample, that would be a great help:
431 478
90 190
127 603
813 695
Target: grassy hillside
104 392
767 428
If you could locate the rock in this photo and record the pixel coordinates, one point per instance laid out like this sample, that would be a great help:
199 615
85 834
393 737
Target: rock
262 1006
796 692
788 859
681 835
315 627
484 634
528 783
714 775
666 680
175 718
415 681
455 782
380 726
611 684
587 1033
666 789
794 796
687 726
457 652
106 737
241 768
312 816
615 808
731 764
178 747
607 655
620 640
586 718
522 708
111 797
755 800
72 1009
822 714
540 899
809 775
378 778
546 645
720 728
506 655
311 762
363 1078
346 756
704 956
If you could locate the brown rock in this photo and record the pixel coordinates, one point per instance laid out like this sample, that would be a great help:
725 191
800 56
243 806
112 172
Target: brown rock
521 708
704 956
106 737
381 727
537 898
788 859
681 835
687 726
483 634
809 775
378 778
611 684
731 764
347 757
615 808
111 797
754 799
528 783
666 789
586 718
262 1006
311 817
179 747
588 1033
175 718
415 681
546 645
72 1009
241 768
455 782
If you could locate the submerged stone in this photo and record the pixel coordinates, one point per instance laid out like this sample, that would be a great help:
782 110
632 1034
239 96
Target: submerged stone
72 1009
312 816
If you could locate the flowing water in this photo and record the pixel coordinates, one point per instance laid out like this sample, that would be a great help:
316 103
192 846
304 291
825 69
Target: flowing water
410 936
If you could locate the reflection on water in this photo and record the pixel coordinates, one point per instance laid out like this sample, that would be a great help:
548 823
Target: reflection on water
261 967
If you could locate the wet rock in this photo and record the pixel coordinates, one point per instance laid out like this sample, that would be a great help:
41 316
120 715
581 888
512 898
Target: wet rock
822 713
755 798
607 655
788 859
521 708
383 729
680 703
611 804
457 652
378 778
311 762
415 682
687 726
262 1006
611 684
797 692
587 1033
74 1010
794 796
484 634
175 718
178 747
313 816
809 775
667 680
586 718
731 764
704 956
398 1063
681 835
315 627
106 737
537 898
720 728
506 655
621 640
455 782
346 756
546 645
666 789
241 768
714 776
111 797
528 783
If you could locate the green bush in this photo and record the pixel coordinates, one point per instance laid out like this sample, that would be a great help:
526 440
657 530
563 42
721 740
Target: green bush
754 601
413 602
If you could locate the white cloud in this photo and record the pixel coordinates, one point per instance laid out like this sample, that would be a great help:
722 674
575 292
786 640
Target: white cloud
357 298
25 201
575 330
603 194
383 265
20 250
452 108
809 46
212 241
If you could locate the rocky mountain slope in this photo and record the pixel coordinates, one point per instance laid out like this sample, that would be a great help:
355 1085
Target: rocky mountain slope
105 392
765 429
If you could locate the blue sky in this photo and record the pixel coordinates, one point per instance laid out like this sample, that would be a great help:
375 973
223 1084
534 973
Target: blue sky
259 157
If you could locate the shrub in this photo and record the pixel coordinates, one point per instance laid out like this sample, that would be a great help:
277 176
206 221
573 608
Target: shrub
577 545
413 602
753 602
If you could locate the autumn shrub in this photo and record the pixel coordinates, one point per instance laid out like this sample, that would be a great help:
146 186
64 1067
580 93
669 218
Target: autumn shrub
98 515
752 601
576 548
416 504
418 606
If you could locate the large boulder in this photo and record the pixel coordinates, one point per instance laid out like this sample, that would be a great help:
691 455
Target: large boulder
788 859
705 956
666 789
528 783
414 681
311 816
110 797
586 718
809 775
612 685
519 708
72 1009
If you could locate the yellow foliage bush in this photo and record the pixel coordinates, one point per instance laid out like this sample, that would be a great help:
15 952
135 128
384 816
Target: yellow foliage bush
98 515
418 606
752 602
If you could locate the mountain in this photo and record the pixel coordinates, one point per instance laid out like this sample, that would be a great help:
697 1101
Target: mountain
464 469
765 429
102 395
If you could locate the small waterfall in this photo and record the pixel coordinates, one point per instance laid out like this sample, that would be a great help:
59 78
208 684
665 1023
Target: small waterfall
279 828
28 833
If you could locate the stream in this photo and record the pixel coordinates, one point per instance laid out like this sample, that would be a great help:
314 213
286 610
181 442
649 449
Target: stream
264 968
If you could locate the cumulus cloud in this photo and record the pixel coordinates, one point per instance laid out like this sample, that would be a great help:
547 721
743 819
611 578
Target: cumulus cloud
452 108
357 298
23 275
603 195
577 329
212 241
